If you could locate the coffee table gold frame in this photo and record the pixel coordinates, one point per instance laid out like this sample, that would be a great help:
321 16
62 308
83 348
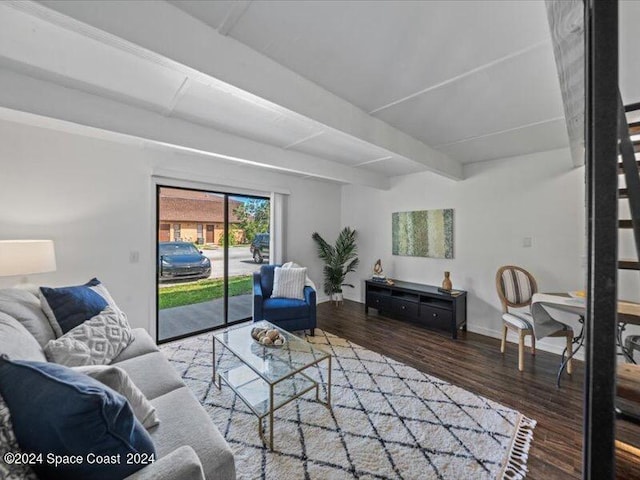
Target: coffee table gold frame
270 412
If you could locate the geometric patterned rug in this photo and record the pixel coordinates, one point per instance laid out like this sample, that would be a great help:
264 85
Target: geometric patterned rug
388 421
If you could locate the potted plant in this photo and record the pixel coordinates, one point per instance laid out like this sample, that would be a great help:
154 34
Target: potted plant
339 261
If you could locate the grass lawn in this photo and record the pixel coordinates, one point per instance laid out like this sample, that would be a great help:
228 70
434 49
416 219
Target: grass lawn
202 291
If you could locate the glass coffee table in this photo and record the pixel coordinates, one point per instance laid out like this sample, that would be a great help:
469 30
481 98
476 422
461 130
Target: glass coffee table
268 378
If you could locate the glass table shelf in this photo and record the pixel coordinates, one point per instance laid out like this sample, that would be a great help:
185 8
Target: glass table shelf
254 391
272 364
269 378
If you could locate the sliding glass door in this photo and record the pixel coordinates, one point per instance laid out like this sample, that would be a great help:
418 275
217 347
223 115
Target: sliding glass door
209 244
248 248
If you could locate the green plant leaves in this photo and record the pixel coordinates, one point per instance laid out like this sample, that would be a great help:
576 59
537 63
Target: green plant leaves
339 260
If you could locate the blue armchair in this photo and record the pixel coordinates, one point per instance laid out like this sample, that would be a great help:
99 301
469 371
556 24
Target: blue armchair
288 313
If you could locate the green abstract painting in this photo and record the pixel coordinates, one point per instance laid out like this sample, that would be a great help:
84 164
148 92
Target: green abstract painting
423 233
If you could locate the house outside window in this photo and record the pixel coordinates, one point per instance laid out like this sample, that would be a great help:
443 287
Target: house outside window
196 216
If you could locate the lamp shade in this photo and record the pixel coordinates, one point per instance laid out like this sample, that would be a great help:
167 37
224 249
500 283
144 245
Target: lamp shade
23 257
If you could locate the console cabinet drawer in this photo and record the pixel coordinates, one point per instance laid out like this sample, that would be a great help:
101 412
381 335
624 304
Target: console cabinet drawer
404 308
436 317
379 302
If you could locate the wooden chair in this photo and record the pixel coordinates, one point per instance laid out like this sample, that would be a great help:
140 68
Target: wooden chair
515 288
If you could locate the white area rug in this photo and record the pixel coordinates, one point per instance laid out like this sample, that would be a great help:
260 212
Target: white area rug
389 421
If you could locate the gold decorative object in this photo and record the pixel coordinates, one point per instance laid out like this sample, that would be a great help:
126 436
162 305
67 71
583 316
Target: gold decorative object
377 268
268 338
446 283
378 276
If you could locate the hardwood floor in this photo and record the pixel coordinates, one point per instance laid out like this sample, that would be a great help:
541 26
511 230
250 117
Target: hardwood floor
474 362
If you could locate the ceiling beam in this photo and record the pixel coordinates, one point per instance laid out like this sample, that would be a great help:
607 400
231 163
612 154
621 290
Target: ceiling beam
72 107
566 22
302 140
178 95
236 10
177 36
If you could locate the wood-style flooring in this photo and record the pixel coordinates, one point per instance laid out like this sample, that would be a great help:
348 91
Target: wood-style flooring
474 362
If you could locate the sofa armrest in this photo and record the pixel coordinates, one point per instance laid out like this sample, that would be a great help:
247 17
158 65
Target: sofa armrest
257 297
310 298
309 295
181 464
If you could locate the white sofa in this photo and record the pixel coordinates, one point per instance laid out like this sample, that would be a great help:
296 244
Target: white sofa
188 445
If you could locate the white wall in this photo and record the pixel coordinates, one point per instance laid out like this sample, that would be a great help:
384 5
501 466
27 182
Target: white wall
498 204
95 199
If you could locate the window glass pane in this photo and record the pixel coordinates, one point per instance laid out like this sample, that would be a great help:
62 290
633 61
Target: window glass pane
249 231
204 253
190 276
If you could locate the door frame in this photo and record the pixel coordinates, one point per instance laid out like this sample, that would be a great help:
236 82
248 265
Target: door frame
601 138
158 184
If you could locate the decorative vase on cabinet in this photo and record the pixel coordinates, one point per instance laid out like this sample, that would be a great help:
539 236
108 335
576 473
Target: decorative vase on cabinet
446 283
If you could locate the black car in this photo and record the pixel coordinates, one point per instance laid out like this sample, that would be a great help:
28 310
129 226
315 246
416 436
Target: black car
260 247
182 260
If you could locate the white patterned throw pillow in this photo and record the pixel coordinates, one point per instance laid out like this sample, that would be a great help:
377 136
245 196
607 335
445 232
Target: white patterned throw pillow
94 342
289 283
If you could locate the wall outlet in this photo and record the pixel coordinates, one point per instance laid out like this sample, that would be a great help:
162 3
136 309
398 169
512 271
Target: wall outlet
527 242
134 256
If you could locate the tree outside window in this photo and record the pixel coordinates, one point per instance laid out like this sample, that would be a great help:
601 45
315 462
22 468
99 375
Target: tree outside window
253 217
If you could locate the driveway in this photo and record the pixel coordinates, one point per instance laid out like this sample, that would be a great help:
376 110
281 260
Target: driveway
240 263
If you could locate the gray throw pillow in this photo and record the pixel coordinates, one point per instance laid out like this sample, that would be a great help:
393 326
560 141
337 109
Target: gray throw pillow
9 444
25 307
118 380
94 342
17 343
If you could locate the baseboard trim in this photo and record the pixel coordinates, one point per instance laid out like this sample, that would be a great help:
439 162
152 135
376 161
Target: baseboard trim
540 344
489 332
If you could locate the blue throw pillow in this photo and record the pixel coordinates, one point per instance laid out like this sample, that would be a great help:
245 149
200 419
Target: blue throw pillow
68 307
58 411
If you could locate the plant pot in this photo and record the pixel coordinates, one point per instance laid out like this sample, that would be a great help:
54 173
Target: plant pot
337 297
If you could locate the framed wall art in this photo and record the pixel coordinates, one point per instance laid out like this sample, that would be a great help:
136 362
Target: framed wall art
423 233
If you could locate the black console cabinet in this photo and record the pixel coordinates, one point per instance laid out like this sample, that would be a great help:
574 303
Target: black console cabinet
423 304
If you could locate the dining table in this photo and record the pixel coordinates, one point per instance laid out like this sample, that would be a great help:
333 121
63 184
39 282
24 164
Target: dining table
545 323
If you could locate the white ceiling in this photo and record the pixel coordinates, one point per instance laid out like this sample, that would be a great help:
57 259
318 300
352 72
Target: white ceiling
469 73
385 80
